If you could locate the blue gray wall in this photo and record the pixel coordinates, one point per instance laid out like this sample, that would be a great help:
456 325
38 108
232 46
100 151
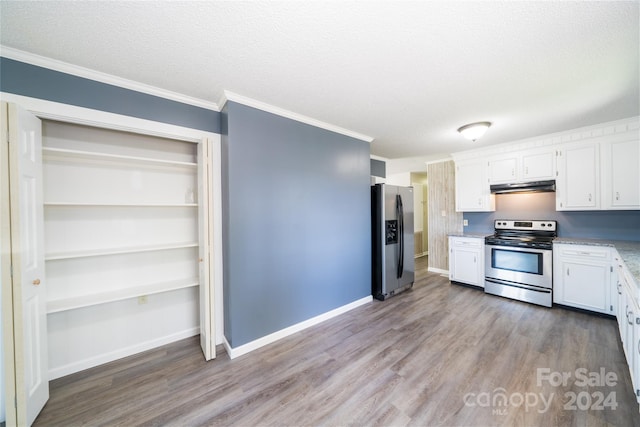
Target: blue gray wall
378 168
612 225
297 223
42 83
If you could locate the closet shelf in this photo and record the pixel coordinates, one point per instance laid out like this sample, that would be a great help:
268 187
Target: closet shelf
123 205
68 154
65 304
116 251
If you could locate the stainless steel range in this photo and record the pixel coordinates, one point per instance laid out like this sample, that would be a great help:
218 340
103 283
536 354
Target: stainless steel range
518 260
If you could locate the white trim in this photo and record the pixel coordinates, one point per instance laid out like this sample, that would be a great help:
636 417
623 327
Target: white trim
268 339
374 157
438 270
75 70
119 354
230 96
79 115
85 116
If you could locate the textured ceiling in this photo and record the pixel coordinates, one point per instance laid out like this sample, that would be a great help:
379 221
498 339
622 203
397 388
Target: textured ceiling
407 74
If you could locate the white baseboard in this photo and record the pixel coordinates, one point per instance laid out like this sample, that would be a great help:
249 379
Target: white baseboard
83 364
438 270
275 336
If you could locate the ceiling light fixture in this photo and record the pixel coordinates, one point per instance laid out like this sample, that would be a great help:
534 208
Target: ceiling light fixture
473 131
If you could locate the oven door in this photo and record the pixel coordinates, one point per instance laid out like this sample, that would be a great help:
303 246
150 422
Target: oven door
527 266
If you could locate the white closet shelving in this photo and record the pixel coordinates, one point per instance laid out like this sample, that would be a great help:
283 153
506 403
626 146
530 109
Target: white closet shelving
121 217
84 156
80 301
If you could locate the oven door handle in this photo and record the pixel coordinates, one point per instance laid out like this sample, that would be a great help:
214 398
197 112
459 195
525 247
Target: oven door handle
519 285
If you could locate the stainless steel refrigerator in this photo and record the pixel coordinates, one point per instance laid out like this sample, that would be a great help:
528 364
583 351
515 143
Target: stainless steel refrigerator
392 264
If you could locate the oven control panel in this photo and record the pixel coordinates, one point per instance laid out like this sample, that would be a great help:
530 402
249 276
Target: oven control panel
537 225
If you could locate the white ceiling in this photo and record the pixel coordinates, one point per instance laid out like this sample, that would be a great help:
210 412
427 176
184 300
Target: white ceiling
407 74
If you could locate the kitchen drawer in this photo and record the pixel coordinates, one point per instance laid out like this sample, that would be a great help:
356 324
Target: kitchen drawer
596 253
467 242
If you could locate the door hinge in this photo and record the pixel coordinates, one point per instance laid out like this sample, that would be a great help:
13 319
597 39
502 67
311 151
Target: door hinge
611 308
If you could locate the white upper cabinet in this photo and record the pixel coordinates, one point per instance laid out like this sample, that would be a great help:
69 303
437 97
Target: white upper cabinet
595 168
503 170
522 166
578 180
621 175
472 188
538 165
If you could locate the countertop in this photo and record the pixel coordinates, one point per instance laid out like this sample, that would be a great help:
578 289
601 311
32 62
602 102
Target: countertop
474 235
629 251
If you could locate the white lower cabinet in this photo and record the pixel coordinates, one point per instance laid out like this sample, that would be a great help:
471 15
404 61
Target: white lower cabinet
582 277
629 323
466 260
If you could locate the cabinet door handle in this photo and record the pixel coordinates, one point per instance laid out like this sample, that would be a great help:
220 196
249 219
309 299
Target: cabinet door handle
617 195
628 314
474 259
619 292
589 196
526 170
36 282
567 271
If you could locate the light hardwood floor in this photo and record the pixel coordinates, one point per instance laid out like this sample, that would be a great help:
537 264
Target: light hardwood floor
436 355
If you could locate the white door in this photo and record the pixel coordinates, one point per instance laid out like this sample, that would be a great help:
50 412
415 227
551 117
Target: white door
625 174
582 176
27 258
503 170
465 266
538 166
205 262
472 191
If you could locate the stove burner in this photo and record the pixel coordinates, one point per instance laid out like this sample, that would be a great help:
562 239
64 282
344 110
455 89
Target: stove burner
533 234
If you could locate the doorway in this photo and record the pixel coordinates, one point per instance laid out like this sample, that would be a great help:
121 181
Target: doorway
420 184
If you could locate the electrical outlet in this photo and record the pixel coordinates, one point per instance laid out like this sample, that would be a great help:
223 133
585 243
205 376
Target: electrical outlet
142 299
465 222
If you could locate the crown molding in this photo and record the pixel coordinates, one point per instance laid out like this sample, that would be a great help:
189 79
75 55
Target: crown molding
373 156
607 129
249 102
64 67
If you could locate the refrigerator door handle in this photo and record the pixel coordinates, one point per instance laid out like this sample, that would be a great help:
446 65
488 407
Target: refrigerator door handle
400 214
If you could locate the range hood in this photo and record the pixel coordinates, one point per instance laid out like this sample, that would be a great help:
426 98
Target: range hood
522 187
